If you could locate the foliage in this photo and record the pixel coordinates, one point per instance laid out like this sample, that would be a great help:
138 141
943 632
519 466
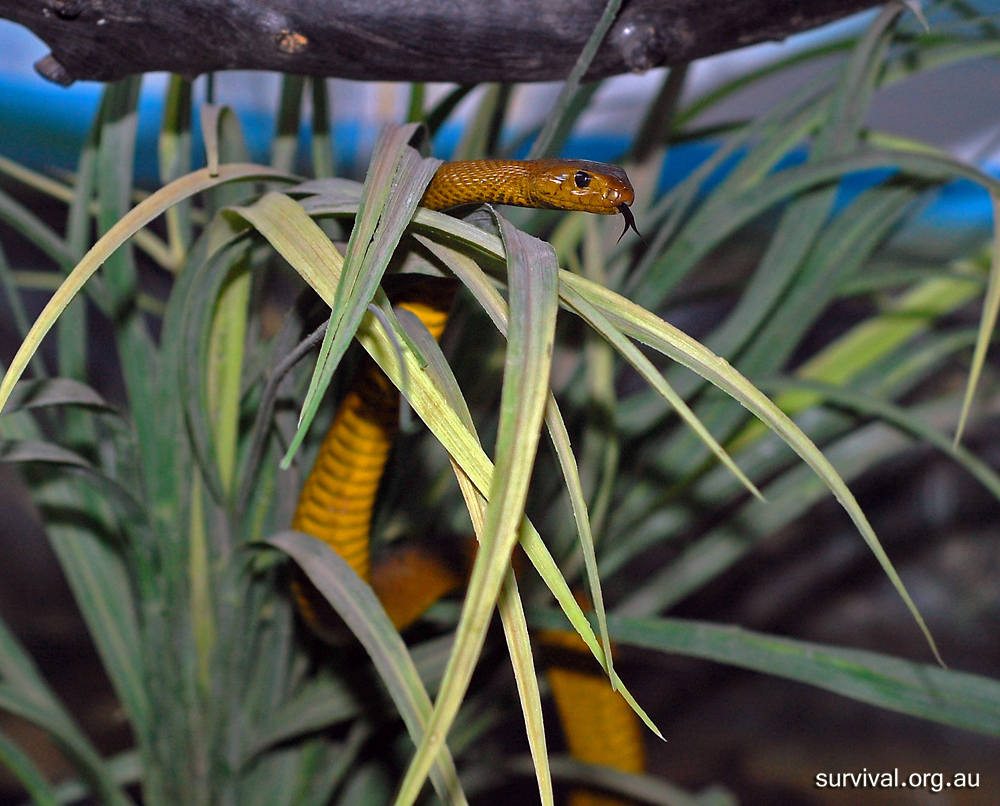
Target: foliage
165 517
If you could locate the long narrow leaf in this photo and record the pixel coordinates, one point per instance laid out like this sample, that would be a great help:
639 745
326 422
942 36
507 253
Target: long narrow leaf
19 313
382 217
467 270
555 121
24 769
510 606
649 329
23 692
22 220
55 392
532 281
128 225
988 320
357 605
639 788
895 415
943 695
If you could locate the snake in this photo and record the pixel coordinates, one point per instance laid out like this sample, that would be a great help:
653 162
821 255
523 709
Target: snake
338 497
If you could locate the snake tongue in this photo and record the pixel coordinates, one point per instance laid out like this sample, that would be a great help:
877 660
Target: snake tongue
623 208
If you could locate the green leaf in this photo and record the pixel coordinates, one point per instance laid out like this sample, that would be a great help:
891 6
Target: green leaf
942 695
128 225
902 320
510 605
519 646
24 693
481 135
328 768
19 313
319 704
894 415
31 450
20 764
115 163
126 768
205 379
23 221
634 356
640 788
97 576
714 223
653 331
439 114
174 150
988 320
357 605
55 392
286 139
549 140
395 184
224 367
322 144
838 253
532 273
790 495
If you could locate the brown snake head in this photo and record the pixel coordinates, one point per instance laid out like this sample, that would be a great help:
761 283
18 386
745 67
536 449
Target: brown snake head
591 187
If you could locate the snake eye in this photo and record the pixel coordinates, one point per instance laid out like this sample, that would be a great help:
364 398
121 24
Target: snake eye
582 179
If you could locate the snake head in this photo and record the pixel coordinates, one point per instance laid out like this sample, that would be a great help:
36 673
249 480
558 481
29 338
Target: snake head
591 187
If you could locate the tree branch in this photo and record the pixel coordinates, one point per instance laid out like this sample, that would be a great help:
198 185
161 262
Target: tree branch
464 41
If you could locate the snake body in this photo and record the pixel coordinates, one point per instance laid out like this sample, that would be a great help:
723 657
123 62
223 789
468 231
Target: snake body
599 726
338 497
339 494
551 184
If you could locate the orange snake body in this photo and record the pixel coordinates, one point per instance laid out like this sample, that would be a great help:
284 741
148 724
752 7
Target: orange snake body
338 497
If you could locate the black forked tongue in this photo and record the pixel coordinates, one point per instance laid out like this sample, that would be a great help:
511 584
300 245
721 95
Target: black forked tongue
629 221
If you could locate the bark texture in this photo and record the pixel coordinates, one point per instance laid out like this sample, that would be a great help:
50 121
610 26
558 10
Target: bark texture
464 41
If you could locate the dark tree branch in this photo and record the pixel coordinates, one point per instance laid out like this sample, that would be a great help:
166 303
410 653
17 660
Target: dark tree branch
465 41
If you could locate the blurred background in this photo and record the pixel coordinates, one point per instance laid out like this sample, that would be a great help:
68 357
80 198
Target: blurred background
759 737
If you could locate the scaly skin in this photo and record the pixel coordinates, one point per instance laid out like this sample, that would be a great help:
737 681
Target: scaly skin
599 726
338 497
553 184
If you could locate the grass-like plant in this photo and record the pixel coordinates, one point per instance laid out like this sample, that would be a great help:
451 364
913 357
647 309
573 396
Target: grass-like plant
170 519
